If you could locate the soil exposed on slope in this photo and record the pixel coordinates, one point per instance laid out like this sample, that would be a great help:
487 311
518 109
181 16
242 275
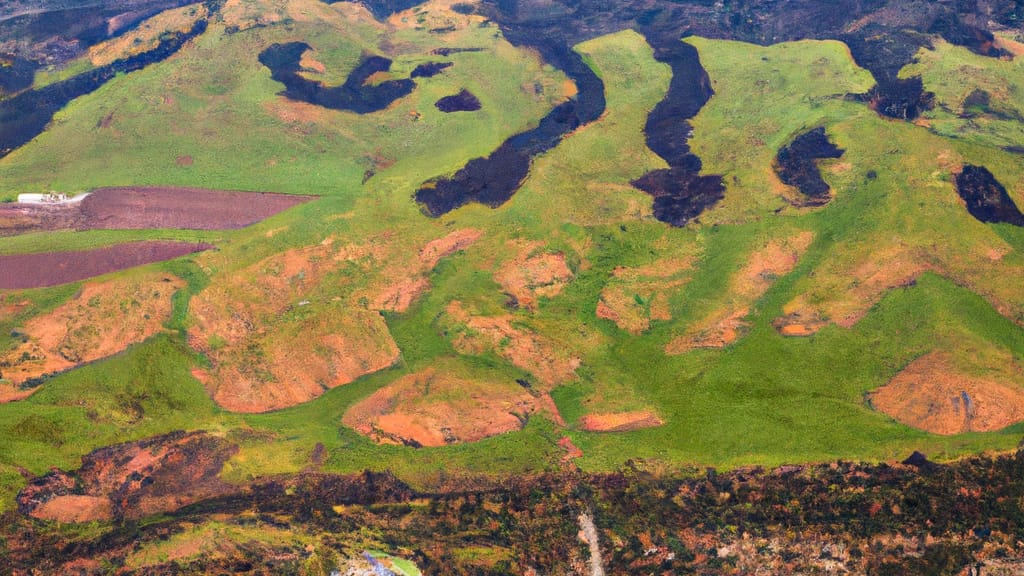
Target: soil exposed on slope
986 198
932 394
22 271
533 274
133 480
100 321
432 408
551 363
620 421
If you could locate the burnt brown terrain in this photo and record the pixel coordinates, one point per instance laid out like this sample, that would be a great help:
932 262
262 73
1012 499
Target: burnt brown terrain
283 60
911 518
132 480
148 207
986 198
23 271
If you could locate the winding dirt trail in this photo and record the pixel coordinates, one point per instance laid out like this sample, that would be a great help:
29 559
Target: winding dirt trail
589 531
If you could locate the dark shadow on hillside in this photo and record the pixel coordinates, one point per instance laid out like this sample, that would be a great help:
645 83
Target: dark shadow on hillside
26 115
680 193
796 164
354 94
986 198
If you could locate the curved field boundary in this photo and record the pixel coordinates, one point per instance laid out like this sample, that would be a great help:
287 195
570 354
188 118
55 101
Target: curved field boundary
23 271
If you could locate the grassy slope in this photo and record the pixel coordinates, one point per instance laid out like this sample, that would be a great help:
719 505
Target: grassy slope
765 400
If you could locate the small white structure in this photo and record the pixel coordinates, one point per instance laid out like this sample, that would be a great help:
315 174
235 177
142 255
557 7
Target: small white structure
49 198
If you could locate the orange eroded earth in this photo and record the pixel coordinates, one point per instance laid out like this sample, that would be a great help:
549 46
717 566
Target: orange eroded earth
146 36
620 421
104 318
533 273
433 408
636 296
932 394
868 282
284 330
726 325
547 360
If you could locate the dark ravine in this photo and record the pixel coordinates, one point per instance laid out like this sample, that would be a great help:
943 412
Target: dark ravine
796 164
986 198
26 115
353 95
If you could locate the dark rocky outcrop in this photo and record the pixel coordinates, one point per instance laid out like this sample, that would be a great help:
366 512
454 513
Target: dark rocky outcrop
796 164
986 198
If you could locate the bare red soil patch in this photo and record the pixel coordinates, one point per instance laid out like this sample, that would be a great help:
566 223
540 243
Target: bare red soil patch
458 240
432 408
533 273
22 271
132 480
549 361
101 320
932 394
143 208
289 327
636 296
869 280
620 421
724 326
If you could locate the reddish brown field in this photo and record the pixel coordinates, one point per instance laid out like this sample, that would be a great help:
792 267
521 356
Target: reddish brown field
933 394
22 271
434 408
141 208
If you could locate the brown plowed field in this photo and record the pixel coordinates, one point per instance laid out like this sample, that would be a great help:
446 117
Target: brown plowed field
142 208
22 271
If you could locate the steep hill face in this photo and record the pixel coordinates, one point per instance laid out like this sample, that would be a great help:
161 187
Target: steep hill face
522 236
